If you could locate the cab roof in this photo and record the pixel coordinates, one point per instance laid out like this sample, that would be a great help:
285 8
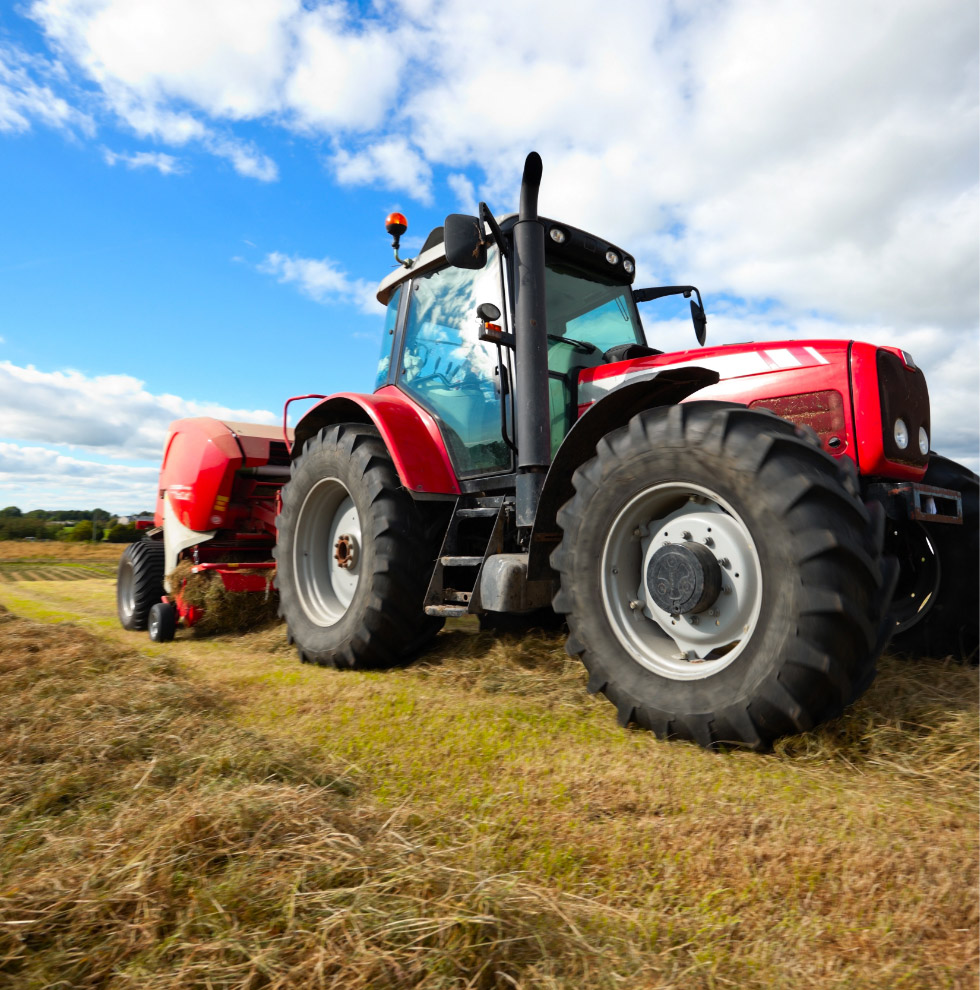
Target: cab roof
579 246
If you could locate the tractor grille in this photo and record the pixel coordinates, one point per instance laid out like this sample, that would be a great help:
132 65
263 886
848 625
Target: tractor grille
904 395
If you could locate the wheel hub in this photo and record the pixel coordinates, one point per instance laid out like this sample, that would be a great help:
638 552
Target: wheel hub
345 551
682 582
683 578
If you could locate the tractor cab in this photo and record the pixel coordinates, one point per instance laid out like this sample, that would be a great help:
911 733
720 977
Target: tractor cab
450 344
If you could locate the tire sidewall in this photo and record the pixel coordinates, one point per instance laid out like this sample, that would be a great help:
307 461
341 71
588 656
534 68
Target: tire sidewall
320 462
740 680
125 589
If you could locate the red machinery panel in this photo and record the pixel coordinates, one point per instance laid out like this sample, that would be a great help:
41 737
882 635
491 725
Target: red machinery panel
807 381
200 461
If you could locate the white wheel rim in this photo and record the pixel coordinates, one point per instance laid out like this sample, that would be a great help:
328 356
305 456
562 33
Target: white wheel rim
680 647
325 585
125 594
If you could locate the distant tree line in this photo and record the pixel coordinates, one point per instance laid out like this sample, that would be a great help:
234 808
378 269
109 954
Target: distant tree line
74 525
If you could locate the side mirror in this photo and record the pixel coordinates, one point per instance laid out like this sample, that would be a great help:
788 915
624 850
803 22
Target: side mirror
465 246
700 322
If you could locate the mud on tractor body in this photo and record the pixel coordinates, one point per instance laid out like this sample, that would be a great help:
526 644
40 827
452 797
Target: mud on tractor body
732 534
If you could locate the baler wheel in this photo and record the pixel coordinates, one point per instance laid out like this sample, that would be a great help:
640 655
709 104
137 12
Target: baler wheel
162 622
139 582
721 580
354 555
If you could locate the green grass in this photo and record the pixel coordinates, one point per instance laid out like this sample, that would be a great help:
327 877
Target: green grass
847 858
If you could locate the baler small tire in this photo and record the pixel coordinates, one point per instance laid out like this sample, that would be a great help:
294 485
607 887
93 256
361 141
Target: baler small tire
368 612
802 629
162 622
139 583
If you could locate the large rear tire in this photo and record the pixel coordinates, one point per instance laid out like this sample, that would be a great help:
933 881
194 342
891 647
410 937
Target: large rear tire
139 583
354 555
949 626
721 580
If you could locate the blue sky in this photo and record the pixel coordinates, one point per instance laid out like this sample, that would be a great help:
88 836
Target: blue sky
192 194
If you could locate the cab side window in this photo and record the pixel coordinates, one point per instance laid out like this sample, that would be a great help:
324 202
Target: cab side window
387 339
450 370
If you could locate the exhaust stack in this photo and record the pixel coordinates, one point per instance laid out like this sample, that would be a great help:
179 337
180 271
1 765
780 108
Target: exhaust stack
531 358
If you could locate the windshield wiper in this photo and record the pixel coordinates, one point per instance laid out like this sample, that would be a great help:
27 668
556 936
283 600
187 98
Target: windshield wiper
581 345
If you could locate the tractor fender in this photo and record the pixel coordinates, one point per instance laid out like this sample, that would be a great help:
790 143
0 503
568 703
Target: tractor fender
617 408
409 432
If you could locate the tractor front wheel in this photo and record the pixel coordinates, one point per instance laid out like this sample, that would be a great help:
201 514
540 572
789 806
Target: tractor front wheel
720 578
354 555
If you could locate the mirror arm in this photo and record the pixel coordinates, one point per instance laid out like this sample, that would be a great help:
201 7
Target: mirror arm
645 295
488 218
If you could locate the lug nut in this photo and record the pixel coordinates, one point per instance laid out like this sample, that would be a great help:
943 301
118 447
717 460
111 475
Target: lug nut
708 542
686 535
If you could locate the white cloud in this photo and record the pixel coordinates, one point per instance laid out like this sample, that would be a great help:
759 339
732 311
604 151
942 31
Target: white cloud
392 163
223 56
343 76
23 100
164 164
822 156
113 415
38 477
321 279
465 192
245 159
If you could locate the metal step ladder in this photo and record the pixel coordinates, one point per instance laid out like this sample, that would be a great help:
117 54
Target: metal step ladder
474 532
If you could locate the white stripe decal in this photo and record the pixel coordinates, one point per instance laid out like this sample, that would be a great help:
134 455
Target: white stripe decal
737 365
784 358
816 355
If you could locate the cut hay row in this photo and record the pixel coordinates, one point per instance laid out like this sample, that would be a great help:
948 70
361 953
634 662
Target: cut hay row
224 611
846 859
54 573
54 549
149 842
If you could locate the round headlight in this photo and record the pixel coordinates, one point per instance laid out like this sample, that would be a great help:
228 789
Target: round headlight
901 434
557 235
612 257
923 441
628 265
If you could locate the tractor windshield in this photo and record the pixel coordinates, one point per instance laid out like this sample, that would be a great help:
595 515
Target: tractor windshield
583 307
586 316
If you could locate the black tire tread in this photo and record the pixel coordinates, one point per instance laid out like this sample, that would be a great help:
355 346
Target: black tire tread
837 547
146 560
393 626
950 627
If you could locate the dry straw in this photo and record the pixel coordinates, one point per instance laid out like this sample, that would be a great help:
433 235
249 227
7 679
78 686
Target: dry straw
225 611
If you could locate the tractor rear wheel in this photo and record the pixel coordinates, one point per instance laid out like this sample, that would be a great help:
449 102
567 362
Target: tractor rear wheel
354 555
139 582
721 580
948 627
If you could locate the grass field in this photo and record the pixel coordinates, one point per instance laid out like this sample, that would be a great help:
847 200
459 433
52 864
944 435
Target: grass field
211 813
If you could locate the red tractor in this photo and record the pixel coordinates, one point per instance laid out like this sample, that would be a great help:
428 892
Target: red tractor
732 534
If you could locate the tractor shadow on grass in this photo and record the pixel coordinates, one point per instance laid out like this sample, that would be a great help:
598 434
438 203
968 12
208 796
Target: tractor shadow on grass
918 716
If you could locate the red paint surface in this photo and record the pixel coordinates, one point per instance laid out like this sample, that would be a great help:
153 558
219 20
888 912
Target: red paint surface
751 373
411 436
